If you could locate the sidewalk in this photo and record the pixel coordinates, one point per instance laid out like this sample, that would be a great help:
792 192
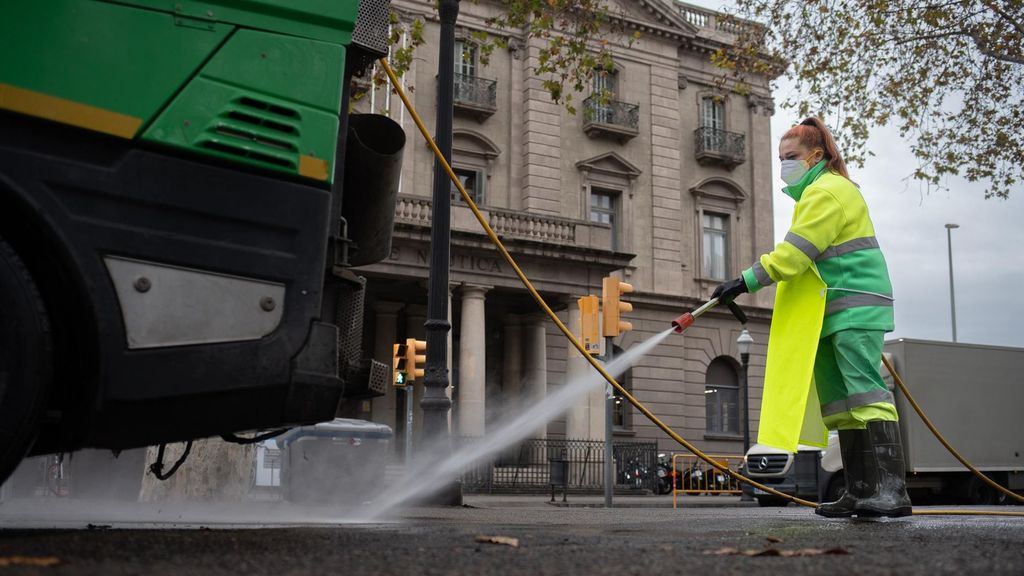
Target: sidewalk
597 501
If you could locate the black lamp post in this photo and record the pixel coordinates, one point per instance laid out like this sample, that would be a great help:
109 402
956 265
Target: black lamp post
435 402
743 344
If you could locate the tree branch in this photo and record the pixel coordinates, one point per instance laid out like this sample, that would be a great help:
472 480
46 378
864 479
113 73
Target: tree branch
984 49
1002 13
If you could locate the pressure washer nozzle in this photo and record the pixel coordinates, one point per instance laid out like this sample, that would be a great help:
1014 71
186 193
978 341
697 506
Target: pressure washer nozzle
683 322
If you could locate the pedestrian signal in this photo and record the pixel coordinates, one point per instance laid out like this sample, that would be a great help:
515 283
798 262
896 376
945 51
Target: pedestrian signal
590 324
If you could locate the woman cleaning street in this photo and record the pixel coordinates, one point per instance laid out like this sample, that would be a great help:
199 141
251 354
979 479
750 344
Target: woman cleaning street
833 306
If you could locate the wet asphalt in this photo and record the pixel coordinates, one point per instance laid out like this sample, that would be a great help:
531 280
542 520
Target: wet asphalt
704 538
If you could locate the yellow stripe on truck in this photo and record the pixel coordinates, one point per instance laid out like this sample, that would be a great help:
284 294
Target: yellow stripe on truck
66 111
312 167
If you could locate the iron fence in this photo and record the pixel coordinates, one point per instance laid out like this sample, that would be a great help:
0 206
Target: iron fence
476 91
526 467
720 142
604 111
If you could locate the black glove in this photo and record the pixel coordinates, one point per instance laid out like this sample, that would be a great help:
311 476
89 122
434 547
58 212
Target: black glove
729 290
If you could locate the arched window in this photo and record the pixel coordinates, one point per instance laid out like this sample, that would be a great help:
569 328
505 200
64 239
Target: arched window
721 398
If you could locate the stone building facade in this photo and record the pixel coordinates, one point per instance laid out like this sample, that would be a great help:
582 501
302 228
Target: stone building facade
667 187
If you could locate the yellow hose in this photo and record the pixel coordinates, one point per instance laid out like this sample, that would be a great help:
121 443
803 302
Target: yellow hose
571 337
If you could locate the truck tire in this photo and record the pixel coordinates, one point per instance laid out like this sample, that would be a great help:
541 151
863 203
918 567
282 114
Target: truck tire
26 359
772 502
836 487
981 494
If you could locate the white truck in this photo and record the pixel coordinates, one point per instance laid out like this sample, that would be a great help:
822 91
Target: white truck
972 393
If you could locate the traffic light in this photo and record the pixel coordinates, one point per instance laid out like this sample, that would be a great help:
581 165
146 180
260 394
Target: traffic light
612 290
590 324
397 371
415 356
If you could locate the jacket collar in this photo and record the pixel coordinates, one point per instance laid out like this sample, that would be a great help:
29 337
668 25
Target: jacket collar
797 190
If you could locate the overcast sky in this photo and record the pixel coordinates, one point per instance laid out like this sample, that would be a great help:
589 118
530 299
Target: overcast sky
988 248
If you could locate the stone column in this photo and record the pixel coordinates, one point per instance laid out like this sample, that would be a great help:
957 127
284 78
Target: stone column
385 335
415 316
577 424
535 366
472 361
512 366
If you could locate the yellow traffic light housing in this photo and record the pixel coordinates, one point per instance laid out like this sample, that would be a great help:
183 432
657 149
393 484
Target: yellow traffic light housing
415 356
590 324
612 305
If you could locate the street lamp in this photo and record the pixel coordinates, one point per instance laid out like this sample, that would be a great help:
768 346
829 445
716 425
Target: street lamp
952 299
743 345
435 402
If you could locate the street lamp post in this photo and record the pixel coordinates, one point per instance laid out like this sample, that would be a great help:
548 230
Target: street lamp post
952 298
435 402
743 345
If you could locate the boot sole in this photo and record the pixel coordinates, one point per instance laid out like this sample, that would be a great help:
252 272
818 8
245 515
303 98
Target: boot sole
826 514
887 513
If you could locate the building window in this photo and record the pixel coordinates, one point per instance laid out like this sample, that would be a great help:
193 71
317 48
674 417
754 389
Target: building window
712 113
715 240
721 398
472 181
603 209
605 86
465 58
712 120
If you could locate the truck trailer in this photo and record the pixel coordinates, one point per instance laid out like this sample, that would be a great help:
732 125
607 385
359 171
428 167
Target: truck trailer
971 393
183 197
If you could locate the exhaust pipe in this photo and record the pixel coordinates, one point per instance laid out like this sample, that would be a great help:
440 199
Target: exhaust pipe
373 166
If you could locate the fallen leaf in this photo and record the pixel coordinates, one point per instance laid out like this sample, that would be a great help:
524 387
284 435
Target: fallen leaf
37 561
503 540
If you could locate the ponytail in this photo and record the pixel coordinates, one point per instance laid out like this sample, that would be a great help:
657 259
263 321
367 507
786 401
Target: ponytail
812 133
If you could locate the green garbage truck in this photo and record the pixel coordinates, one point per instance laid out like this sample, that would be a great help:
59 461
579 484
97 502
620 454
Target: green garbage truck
183 198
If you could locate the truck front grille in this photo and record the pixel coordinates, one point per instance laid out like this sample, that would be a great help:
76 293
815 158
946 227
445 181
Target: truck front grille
765 464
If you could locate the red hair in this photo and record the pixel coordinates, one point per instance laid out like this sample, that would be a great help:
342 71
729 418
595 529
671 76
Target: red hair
812 133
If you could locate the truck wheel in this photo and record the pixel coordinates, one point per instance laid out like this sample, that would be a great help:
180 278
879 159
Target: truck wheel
26 361
836 487
981 494
772 502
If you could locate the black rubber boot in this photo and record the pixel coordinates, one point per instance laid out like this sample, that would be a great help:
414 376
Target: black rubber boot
886 474
852 447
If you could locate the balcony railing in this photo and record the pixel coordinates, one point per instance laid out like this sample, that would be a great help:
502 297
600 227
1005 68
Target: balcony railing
711 20
714 146
602 117
476 96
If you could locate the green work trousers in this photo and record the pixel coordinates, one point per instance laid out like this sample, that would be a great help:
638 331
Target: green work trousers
850 386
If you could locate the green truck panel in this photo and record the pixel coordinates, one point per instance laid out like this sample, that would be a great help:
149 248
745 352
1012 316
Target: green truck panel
115 58
251 81
326 20
265 100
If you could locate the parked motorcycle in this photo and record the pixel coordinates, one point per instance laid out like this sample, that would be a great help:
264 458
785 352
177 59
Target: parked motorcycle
666 476
635 473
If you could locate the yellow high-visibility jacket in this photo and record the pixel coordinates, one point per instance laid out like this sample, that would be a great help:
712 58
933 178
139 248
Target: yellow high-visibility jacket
832 276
